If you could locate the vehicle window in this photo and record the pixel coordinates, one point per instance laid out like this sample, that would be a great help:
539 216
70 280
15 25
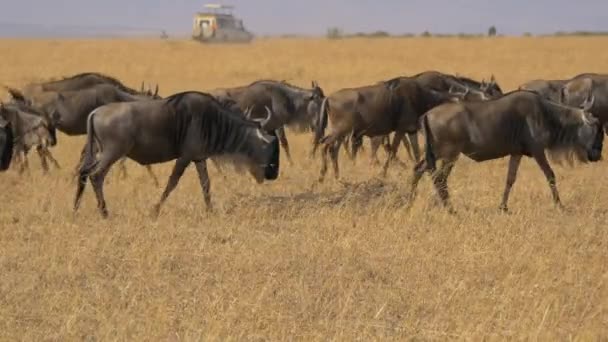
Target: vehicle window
225 23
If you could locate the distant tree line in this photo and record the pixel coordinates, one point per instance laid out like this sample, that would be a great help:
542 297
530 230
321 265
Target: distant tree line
337 33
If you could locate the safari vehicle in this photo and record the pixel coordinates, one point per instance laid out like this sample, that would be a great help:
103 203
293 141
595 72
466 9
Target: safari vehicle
217 25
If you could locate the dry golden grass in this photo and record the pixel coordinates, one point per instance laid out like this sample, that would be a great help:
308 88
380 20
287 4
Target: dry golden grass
282 260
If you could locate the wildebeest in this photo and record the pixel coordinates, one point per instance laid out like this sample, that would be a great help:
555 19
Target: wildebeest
76 82
440 81
520 123
29 130
551 89
374 110
189 127
292 106
6 144
68 110
462 87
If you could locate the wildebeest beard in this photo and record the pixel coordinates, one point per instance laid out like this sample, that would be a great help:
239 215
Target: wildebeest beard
564 142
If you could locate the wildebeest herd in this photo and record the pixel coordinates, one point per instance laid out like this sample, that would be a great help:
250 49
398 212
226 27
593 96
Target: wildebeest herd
246 124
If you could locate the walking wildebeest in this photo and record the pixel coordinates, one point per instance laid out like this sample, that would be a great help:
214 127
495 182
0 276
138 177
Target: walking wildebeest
77 82
29 130
374 110
189 127
412 150
69 109
520 123
462 87
6 144
292 106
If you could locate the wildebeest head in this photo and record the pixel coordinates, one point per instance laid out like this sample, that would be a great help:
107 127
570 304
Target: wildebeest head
30 127
6 144
265 163
468 94
590 134
491 88
312 106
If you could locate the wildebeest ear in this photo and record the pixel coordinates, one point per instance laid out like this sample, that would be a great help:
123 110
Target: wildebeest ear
156 90
142 86
492 79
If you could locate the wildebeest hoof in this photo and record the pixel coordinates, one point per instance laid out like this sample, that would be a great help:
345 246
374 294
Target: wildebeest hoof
104 213
503 208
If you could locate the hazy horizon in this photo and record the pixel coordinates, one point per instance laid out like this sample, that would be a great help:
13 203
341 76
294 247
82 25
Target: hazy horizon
312 17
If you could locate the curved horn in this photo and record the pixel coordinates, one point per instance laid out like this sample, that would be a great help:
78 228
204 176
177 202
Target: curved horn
142 86
588 104
466 92
451 90
268 118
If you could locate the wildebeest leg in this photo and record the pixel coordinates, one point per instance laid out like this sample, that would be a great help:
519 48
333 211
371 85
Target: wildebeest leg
284 143
203 176
419 170
25 165
335 152
43 162
375 143
541 160
413 138
176 174
97 180
324 153
408 147
49 155
151 173
440 180
123 167
80 161
356 144
393 151
514 162
98 176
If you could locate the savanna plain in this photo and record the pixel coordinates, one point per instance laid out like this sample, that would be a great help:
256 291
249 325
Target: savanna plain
292 259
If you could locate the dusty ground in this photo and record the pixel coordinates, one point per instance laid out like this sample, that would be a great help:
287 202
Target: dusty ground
286 260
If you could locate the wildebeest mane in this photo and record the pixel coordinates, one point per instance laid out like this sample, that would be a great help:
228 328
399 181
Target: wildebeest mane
221 130
563 127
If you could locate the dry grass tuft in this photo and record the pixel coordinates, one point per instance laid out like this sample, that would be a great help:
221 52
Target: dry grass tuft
286 260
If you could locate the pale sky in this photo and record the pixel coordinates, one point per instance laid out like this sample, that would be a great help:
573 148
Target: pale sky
68 17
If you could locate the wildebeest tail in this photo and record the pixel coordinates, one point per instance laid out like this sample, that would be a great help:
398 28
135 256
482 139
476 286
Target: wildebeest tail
88 160
429 155
7 151
322 122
